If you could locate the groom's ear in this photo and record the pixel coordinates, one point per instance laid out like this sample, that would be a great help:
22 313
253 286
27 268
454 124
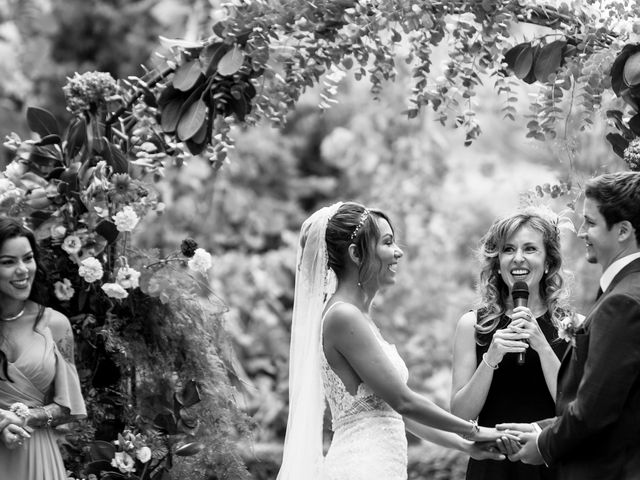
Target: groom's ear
625 230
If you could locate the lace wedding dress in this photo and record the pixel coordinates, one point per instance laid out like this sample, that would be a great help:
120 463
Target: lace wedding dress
369 440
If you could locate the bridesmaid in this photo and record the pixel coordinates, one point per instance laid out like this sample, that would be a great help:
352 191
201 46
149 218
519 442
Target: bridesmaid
488 382
39 385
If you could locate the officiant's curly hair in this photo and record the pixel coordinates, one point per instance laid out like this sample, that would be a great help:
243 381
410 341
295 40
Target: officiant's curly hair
492 289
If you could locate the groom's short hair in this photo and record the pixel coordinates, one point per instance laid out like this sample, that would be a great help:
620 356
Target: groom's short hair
618 197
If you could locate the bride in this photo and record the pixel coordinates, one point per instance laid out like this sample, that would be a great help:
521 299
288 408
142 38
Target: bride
338 353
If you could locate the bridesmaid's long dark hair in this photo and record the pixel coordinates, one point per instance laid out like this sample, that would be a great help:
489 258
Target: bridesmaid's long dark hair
13 228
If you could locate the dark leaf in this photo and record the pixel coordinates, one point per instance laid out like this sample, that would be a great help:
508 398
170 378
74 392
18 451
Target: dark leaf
51 139
511 55
107 230
190 394
118 476
192 120
102 450
195 148
618 142
42 122
531 77
617 81
190 449
56 173
115 158
549 60
77 137
38 217
616 117
171 115
201 135
187 75
211 55
166 422
169 94
631 70
99 466
524 62
634 124
45 156
239 108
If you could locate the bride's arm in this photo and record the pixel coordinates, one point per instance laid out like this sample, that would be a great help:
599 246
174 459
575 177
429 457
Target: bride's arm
451 440
349 332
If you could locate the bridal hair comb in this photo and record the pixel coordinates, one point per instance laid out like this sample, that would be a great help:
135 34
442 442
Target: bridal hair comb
363 218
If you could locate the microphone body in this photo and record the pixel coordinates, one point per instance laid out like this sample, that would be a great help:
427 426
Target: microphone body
520 295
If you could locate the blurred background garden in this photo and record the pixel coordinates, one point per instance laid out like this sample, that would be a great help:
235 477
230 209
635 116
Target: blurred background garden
340 141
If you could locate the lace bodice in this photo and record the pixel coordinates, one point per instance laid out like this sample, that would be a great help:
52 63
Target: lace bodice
346 407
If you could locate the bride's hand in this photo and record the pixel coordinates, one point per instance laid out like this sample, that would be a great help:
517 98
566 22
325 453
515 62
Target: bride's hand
484 451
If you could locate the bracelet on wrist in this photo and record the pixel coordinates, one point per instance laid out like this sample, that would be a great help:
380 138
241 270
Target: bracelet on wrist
474 430
20 409
49 417
484 359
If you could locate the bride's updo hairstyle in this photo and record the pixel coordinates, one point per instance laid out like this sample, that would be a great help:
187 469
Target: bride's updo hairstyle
355 224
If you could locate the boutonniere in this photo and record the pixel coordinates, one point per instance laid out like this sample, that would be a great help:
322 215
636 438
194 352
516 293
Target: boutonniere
568 328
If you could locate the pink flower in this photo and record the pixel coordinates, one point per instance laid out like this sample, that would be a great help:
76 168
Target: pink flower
113 290
63 290
72 244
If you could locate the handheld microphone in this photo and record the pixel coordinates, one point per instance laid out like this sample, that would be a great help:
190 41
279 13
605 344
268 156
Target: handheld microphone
520 295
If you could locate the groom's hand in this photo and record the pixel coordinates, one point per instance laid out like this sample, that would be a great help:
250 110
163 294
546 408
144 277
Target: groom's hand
485 451
529 452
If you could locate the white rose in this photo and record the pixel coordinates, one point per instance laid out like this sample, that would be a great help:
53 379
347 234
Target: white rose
72 244
58 231
114 290
201 261
63 290
123 462
90 269
143 454
126 219
127 277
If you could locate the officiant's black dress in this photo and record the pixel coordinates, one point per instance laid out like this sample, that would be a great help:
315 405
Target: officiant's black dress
518 393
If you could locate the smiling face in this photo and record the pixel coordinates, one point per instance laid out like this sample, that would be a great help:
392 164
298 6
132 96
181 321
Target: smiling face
601 242
387 254
17 272
523 258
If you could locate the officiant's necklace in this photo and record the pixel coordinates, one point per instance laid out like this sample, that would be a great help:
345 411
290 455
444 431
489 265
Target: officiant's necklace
16 316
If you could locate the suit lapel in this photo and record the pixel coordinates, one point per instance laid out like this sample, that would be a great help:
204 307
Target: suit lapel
633 267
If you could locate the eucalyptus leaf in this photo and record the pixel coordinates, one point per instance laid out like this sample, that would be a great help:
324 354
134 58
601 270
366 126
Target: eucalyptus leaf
231 62
187 75
192 119
189 449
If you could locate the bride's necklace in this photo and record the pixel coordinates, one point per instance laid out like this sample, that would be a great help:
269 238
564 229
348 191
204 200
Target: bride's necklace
14 317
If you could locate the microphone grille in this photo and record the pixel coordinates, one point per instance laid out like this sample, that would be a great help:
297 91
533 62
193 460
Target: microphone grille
520 290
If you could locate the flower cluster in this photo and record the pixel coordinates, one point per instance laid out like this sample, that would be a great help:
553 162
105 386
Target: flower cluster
89 91
131 452
568 328
632 154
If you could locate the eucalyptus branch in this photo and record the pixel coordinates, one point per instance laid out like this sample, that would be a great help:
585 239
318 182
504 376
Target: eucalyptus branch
138 93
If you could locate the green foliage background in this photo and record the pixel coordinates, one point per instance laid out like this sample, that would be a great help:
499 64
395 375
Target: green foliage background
441 195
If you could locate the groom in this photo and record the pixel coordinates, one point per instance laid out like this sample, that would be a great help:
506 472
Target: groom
596 434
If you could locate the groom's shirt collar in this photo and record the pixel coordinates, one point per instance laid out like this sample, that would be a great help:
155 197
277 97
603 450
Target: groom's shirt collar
613 269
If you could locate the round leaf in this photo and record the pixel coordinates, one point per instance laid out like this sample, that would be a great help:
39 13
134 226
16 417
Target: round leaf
631 71
511 55
171 115
187 75
101 450
231 62
191 121
524 62
211 55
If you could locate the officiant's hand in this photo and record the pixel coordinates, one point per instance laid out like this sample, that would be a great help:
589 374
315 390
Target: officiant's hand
506 340
525 323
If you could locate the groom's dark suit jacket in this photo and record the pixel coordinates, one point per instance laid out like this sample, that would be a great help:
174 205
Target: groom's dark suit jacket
596 434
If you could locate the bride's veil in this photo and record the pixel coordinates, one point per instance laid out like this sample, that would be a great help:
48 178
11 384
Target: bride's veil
302 457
